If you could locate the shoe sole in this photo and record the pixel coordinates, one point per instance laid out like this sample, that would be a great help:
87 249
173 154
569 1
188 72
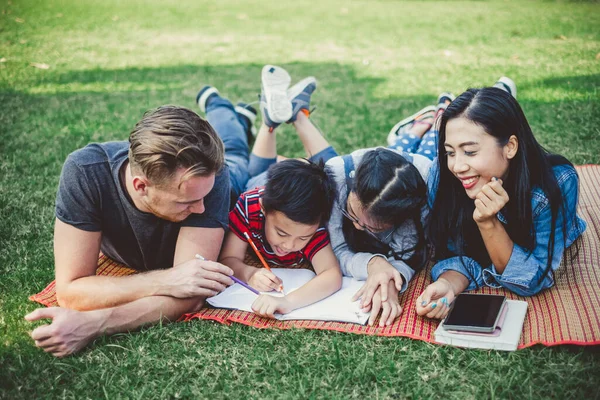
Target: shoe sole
300 86
391 139
447 95
275 83
250 114
202 99
246 113
509 84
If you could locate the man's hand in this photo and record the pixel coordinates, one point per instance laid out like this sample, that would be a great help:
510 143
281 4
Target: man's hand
195 278
69 332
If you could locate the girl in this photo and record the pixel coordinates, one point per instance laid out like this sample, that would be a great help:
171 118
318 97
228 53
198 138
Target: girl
375 226
503 209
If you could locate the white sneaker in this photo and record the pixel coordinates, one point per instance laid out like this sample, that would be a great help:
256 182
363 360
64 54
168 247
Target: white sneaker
508 85
275 105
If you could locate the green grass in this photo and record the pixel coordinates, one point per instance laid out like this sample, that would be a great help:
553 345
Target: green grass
376 62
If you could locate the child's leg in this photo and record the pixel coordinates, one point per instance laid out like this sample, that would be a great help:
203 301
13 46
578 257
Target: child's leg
316 146
264 152
231 128
409 132
429 143
274 105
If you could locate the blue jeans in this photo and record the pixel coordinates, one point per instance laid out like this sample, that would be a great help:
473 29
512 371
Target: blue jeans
221 115
258 166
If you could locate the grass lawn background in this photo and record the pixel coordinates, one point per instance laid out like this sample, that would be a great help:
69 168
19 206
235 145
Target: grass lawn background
376 62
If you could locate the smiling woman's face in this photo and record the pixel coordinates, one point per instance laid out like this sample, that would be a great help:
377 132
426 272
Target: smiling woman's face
474 156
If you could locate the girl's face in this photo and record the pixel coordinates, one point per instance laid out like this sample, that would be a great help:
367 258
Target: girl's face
362 220
474 156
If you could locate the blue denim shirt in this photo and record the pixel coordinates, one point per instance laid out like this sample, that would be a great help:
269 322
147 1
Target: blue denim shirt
524 269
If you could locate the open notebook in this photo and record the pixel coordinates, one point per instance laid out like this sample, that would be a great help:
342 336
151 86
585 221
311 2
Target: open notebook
337 307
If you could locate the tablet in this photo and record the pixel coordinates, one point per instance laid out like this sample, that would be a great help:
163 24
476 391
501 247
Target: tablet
475 313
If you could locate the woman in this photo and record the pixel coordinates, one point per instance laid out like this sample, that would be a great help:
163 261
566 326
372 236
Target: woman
503 209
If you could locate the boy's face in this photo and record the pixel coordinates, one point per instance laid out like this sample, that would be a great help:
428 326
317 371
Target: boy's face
286 236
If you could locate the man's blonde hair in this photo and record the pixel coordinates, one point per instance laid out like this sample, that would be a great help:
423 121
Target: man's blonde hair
169 138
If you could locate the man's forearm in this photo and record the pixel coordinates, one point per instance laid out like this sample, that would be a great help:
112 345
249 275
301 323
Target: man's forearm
142 312
95 292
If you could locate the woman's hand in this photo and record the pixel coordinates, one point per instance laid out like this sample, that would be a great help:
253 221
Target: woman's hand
264 280
267 306
381 273
489 201
390 308
436 299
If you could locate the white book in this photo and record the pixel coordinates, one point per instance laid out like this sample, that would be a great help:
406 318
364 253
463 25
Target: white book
336 307
508 339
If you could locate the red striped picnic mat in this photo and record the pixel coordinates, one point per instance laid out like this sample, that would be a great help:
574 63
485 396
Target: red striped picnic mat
569 313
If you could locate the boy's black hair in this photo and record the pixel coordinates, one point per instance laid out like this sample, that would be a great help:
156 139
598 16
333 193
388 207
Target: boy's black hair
302 190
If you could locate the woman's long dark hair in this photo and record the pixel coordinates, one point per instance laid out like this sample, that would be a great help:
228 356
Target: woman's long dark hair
391 191
451 218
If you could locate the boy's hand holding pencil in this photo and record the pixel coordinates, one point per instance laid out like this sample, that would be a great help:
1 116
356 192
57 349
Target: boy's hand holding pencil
264 280
260 257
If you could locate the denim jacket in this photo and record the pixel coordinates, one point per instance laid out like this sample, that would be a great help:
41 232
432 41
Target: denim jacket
524 269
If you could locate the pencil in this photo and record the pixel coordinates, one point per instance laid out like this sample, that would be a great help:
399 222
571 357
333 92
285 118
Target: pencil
244 284
262 260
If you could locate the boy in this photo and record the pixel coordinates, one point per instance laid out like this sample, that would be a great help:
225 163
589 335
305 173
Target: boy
284 210
286 220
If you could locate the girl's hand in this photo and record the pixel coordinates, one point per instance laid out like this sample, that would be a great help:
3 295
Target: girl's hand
267 306
489 201
436 299
380 274
264 280
390 308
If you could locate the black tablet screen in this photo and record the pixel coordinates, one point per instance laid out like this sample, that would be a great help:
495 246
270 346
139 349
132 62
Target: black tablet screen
475 310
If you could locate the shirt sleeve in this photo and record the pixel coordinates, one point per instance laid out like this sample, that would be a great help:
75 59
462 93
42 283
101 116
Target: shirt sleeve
216 204
524 270
238 218
77 202
465 265
319 240
405 237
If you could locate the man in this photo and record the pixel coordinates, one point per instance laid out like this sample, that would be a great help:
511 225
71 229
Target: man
151 204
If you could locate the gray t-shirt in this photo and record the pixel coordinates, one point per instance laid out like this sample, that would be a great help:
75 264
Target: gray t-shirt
92 198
